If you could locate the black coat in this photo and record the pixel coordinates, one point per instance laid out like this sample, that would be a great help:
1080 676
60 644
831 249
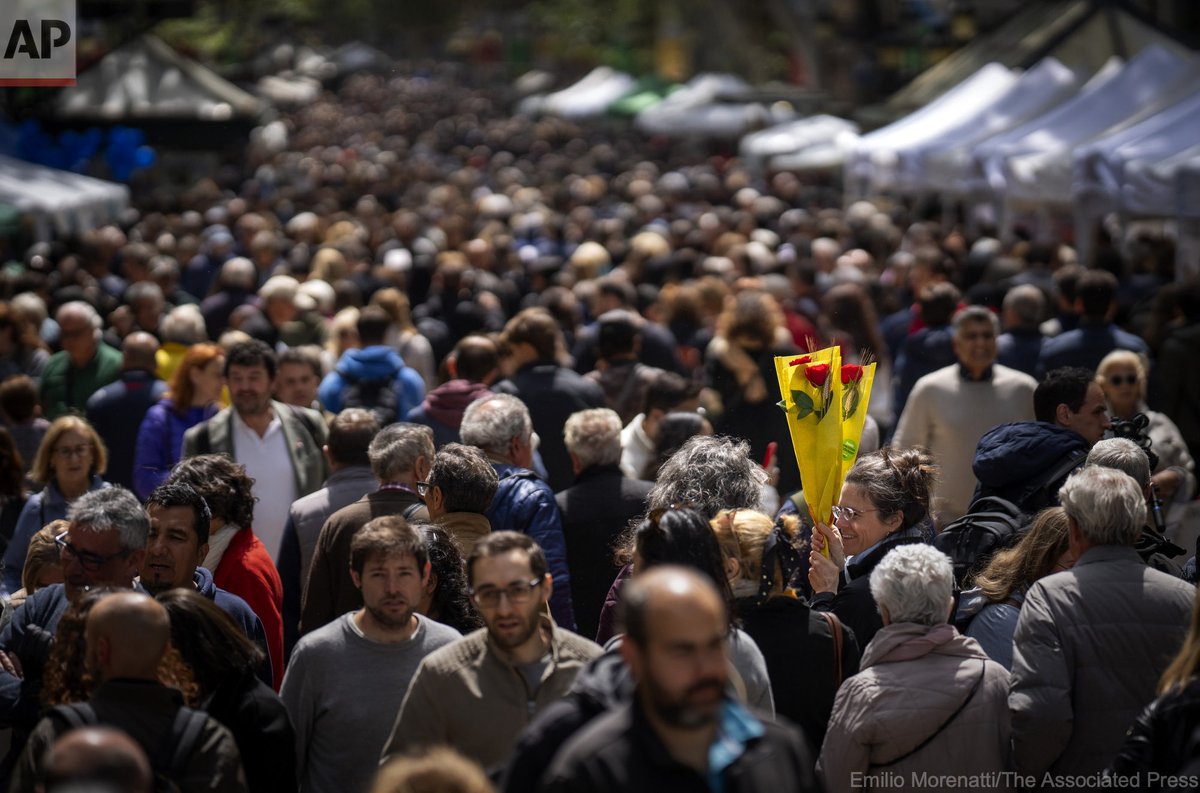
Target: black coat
797 644
1159 740
620 751
595 512
853 603
552 393
262 730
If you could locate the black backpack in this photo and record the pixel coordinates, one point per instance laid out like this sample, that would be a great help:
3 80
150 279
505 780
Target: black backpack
990 525
376 394
169 761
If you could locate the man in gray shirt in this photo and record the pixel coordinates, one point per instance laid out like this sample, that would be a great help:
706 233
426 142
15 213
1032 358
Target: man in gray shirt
346 680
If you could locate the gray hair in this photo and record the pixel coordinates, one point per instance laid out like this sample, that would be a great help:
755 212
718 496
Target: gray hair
1106 504
184 325
915 583
396 448
594 436
112 509
975 314
81 309
1027 303
491 423
144 290
709 473
1122 454
238 272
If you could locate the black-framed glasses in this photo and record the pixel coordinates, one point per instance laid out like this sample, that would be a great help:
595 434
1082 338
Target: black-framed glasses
423 488
91 562
849 514
82 450
517 594
1122 379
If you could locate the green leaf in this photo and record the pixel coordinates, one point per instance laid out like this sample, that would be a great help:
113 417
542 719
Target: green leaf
804 404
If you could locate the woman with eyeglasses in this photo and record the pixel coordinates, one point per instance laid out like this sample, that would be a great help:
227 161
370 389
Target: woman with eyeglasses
195 390
69 463
884 504
1122 377
808 653
989 612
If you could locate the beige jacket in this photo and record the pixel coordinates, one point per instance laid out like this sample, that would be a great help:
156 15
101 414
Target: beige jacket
465 528
912 680
469 696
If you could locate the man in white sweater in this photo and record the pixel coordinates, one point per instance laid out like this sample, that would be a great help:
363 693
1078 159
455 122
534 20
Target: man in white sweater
950 409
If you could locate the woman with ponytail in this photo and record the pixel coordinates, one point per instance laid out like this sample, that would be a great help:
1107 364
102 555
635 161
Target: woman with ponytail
884 504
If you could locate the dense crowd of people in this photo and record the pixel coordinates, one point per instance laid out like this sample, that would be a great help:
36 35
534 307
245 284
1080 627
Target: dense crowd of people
427 449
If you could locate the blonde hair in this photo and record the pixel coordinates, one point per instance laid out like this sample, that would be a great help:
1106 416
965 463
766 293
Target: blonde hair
438 769
346 319
42 553
1183 666
42 471
1123 358
742 535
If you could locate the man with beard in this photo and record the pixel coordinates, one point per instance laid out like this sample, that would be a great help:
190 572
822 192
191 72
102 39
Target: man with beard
269 438
680 732
477 694
346 679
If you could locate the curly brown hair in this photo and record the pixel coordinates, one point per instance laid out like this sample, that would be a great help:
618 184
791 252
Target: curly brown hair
66 677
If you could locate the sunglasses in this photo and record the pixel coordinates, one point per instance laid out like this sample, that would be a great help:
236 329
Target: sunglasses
1122 379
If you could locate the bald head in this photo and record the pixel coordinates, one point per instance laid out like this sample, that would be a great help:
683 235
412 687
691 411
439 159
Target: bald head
139 349
99 758
127 634
666 594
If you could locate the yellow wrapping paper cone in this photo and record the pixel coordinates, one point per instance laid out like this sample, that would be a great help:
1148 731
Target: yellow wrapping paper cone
812 399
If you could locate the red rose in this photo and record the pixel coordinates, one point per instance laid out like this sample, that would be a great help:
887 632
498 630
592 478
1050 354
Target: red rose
799 361
817 373
851 373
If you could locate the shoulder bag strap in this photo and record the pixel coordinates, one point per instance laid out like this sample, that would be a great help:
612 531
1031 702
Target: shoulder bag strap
945 724
835 628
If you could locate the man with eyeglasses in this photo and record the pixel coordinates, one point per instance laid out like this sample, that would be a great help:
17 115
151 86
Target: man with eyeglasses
346 680
105 545
84 365
681 731
479 692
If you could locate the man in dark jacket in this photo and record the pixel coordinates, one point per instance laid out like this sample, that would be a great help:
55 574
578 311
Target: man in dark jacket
551 392
473 366
1026 462
596 509
1019 346
668 737
1096 336
500 426
400 455
117 410
175 549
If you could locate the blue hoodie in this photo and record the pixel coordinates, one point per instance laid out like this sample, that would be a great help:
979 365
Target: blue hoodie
373 363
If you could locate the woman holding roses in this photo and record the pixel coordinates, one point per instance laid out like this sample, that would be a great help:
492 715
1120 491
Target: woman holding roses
740 368
884 504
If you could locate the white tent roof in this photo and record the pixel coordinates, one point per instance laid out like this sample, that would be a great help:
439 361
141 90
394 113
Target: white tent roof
760 148
59 202
941 162
1030 162
591 96
1150 187
147 79
875 157
1099 166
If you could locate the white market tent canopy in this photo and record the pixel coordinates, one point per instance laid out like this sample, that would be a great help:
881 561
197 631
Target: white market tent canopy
782 145
59 202
147 79
587 98
941 161
695 109
872 165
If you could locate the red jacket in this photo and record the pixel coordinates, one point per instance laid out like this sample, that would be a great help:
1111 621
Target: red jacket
247 571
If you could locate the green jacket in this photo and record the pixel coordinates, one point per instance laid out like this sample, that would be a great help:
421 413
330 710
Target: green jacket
65 388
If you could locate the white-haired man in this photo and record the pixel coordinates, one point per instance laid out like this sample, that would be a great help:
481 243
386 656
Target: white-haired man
83 366
1092 641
